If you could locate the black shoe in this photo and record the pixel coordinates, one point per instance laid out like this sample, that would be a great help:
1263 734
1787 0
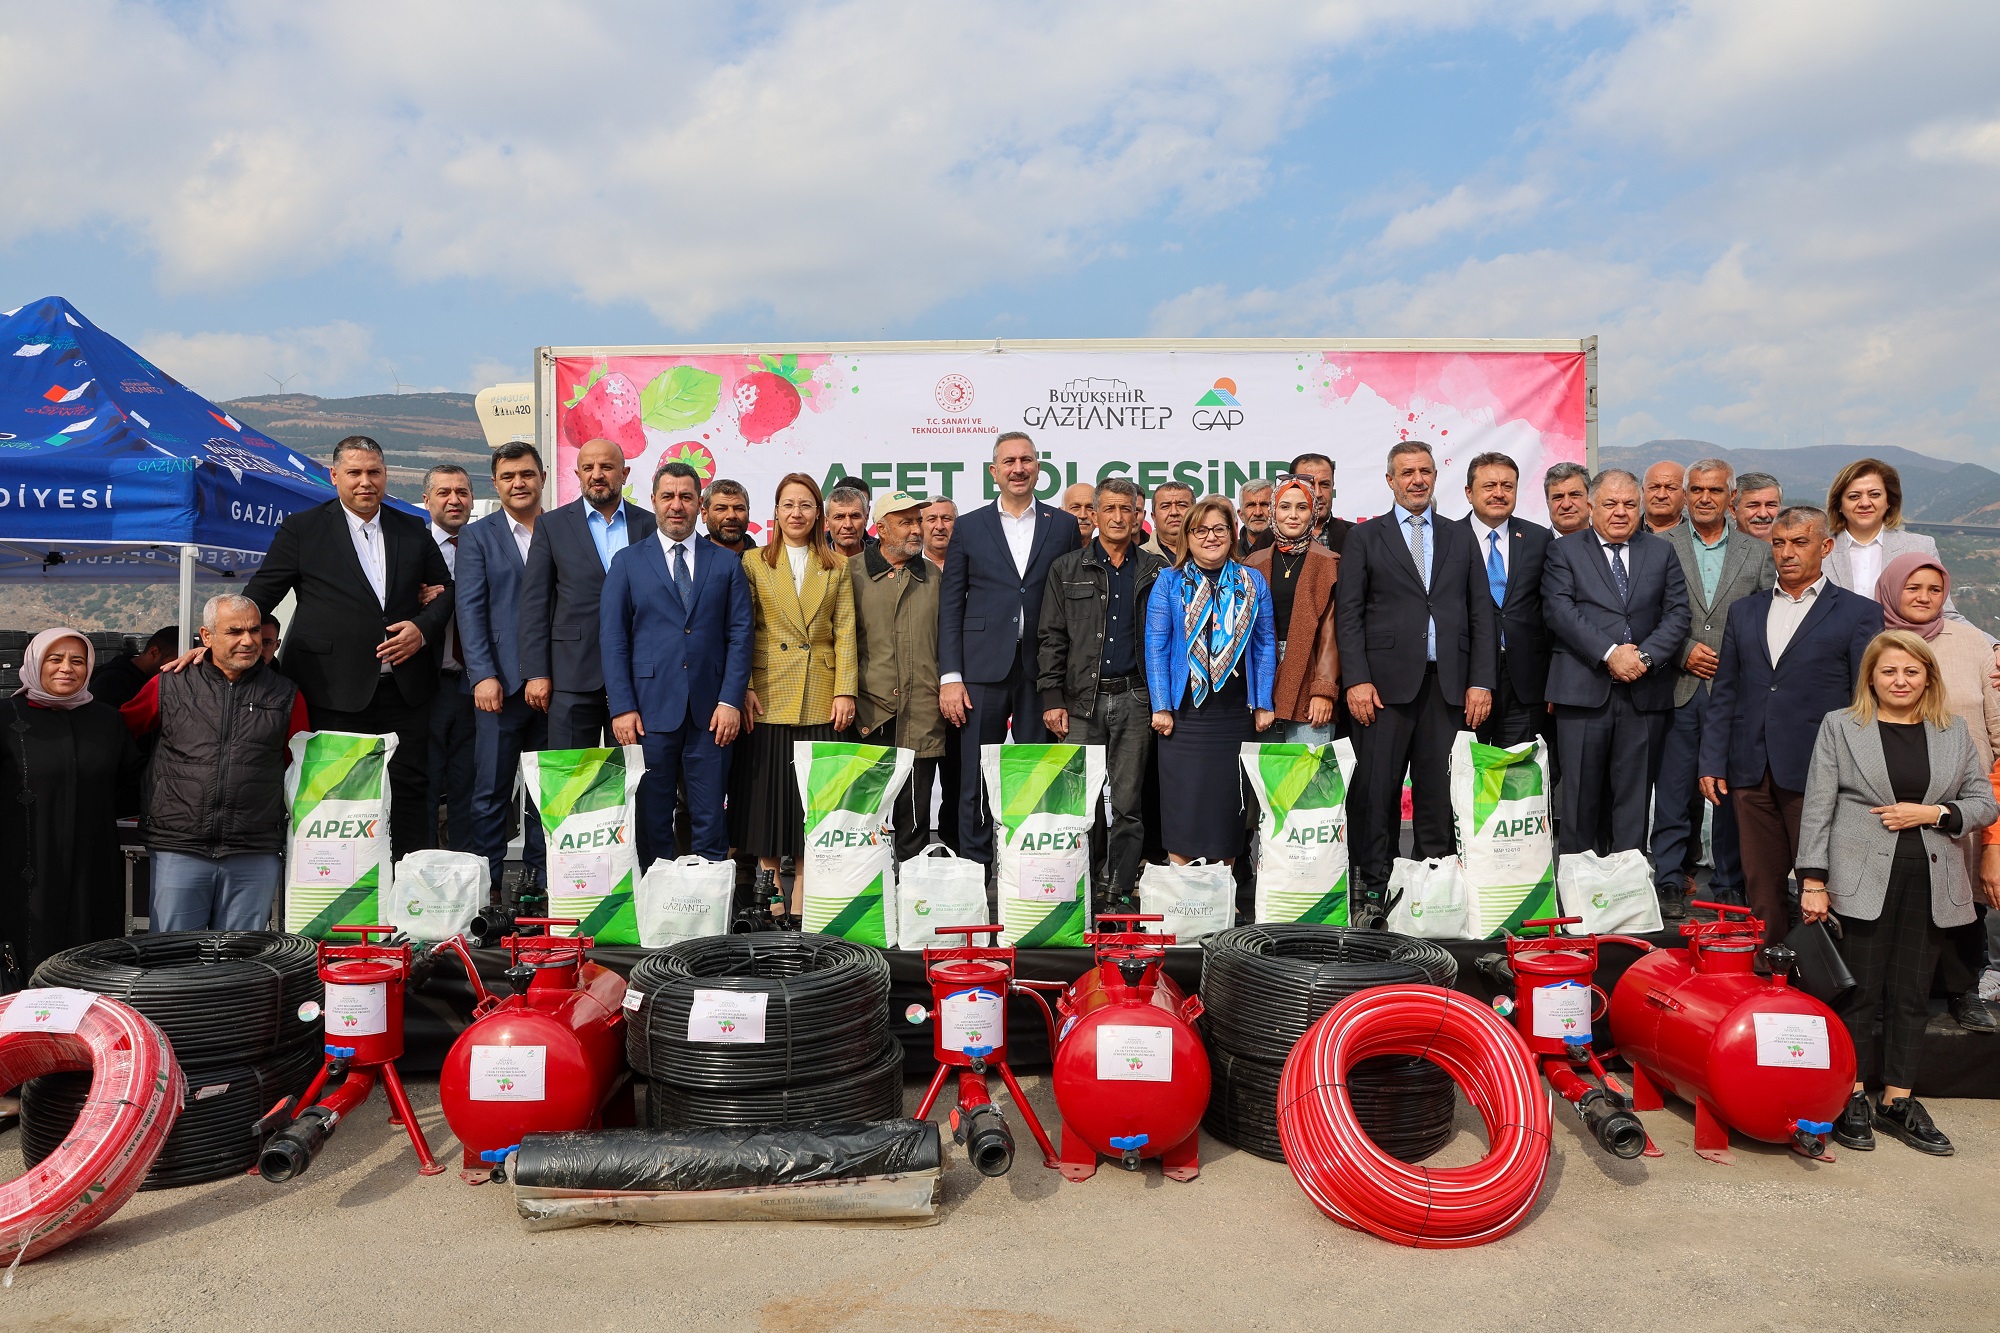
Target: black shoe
1974 1014
1907 1120
1673 903
1856 1126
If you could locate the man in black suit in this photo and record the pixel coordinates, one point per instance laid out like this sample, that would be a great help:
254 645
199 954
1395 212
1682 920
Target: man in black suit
1617 610
1414 619
989 605
560 590
1510 550
363 645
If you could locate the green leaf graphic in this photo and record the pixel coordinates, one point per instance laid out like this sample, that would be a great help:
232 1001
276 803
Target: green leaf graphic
1040 778
678 398
847 777
576 781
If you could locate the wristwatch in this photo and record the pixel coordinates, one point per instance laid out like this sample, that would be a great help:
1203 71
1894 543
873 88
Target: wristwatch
1645 659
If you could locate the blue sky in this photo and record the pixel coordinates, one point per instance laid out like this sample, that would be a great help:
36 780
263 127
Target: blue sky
1779 217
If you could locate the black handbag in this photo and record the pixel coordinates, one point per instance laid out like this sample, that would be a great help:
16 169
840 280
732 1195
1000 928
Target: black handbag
1821 971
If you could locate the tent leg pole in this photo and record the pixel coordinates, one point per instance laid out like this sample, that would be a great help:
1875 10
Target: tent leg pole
189 554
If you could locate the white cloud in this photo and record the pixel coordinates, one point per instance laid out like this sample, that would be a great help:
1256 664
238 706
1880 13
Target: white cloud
1829 274
235 365
1466 208
491 370
850 161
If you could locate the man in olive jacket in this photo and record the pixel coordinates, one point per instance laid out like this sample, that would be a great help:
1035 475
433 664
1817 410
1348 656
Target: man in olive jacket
1093 665
895 639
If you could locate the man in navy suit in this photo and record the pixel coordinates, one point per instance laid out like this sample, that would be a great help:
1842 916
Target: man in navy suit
676 639
1510 550
989 608
560 591
1414 619
1617 609
1789 657
492 554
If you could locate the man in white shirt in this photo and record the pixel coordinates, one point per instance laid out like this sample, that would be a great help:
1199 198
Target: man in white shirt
492 554
1510 550
989 608
448 497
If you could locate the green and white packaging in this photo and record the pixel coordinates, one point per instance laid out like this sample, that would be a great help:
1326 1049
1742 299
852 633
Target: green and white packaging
849 869
1302 830
588 801
1500 814
1044 797
337 858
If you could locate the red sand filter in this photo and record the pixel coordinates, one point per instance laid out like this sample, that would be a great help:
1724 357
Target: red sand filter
1131 1074
547 1058
1750 1051
1555 1000
364 1038
970 984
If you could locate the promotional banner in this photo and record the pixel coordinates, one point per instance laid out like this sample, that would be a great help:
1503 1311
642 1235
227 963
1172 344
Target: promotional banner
924 419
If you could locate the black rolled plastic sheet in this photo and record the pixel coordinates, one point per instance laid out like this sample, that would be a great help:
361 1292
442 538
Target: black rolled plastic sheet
741 1157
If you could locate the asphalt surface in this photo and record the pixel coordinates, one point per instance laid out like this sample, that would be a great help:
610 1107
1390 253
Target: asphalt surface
1890 1239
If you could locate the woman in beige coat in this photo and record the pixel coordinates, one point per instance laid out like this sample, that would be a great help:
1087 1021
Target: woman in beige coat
802 672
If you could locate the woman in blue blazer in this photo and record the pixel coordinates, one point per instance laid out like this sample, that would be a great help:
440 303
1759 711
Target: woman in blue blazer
1211 657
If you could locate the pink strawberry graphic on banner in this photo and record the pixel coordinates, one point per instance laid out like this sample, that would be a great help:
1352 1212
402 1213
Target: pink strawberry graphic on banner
767 400
605 407
694 455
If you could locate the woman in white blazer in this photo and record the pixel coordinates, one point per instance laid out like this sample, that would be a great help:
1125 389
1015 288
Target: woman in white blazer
1894 779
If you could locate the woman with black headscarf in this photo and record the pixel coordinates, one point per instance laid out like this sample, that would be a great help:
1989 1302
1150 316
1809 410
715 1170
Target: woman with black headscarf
67 769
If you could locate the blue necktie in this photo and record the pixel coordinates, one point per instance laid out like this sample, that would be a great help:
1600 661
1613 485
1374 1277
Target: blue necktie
683 581
1618 572
1496 569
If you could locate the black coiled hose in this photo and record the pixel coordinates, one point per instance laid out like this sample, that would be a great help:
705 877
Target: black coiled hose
213 1137
826 1032
223 997
1263 986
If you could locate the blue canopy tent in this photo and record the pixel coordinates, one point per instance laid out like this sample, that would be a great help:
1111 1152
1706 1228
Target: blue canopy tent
112 470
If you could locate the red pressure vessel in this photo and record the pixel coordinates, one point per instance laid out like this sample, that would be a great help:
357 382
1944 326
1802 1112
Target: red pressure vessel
1751 1052
364 1006
545 1059
1131 1074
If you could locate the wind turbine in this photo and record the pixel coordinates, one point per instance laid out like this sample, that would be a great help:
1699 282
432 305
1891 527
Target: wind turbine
281 383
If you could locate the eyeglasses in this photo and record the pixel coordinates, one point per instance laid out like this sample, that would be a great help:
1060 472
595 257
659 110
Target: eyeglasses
1212 530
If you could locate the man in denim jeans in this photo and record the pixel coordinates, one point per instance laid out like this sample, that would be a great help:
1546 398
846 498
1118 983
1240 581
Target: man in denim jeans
1092 664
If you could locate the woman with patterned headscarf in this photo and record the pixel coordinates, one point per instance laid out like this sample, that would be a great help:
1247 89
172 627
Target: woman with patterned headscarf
1300 573
68 769
1211 658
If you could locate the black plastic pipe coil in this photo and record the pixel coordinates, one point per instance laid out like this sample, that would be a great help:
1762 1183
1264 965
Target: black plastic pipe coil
221 996
242 1010
826 1053
1263 986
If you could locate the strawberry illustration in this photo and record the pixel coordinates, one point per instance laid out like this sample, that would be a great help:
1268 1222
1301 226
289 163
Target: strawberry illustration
767 400
694 455
606 407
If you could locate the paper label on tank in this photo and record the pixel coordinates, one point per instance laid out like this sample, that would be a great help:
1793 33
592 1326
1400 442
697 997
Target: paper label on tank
1135 1054
356 1011
972 1018
1793 1041
727 1016
322 861
508 1074
1562 1010
48 1009
1049 879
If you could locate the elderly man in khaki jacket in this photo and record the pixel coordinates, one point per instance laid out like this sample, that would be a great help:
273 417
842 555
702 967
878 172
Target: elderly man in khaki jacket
896 621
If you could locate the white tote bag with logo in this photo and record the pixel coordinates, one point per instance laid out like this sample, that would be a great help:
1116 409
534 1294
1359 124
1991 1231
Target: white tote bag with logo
938 888
437 893
684 899
1613 894
1430 900
1197 899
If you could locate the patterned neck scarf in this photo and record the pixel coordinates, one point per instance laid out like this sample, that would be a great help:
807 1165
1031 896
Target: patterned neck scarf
1219 614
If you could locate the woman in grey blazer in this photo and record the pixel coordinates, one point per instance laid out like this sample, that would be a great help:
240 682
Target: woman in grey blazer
1894 779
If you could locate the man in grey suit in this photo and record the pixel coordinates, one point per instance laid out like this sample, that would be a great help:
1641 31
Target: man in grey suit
1617 611
560 590
492 554
1720 565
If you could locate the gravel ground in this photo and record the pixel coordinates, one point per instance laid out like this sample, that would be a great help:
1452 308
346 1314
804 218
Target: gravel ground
1890 1239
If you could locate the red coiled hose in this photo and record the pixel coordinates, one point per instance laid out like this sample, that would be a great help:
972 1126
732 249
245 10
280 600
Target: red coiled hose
1360 1186
136 1091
